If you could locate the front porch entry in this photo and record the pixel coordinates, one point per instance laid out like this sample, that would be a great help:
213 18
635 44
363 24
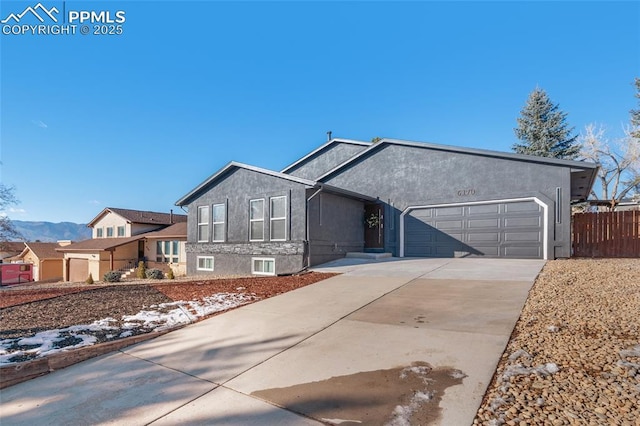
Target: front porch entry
373 227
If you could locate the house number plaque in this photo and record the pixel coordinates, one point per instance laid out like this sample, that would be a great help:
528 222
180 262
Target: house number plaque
466 192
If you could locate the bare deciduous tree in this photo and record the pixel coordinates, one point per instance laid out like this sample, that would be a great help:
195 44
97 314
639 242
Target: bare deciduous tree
7 230
619 173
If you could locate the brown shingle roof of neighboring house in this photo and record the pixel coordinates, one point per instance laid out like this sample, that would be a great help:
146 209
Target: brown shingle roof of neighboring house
139 216
175 231
45 250
99 244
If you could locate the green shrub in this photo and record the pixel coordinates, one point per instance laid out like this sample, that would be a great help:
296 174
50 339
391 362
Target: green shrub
112 277
170 274
155 274
141 270
89 279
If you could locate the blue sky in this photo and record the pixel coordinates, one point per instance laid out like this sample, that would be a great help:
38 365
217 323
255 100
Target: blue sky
137 120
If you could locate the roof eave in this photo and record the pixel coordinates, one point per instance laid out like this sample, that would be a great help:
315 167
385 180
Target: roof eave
233 164
470 151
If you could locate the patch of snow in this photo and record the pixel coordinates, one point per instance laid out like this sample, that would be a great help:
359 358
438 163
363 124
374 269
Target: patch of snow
551 367
497 403
402 413
421 371
553 328
519 353
633 352
520 370
339 421
457 374
154 318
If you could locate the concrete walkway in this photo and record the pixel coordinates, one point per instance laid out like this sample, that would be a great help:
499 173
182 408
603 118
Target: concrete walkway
285 360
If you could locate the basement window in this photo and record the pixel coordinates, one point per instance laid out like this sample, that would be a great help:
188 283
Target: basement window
263 266
205 263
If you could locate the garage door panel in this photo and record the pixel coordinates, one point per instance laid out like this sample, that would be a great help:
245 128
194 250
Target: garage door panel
448 211
522 236
525 206
500 229
449 224
484 209
483 223
441 237
531 221
492 251
523 252
484 236
78 269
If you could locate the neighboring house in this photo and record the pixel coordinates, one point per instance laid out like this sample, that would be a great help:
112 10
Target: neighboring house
404 198
46 260
118 243
10 249
165 249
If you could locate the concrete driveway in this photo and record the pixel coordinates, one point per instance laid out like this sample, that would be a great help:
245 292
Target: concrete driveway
395 341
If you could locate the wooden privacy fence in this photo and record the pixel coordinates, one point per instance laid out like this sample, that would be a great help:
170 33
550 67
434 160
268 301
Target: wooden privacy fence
606 234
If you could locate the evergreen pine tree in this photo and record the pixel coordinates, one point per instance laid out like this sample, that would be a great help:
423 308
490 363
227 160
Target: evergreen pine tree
543 129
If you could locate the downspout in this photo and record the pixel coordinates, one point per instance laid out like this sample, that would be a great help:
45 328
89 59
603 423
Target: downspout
111 260
307 230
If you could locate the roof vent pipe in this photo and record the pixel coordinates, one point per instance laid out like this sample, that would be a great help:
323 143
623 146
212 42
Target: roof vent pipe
329 135
171 216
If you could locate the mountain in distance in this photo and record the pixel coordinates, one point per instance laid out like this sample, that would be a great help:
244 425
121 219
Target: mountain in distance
51 232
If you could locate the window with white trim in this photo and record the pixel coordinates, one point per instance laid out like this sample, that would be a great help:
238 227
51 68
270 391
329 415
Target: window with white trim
256 220
110 232
219 218
203 224
99 232
263 266
205 263
167 251
121 230
278 218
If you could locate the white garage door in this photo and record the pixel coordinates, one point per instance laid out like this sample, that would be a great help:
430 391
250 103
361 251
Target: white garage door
498 229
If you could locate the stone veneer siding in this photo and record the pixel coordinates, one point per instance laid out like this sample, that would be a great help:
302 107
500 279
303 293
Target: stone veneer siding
235 258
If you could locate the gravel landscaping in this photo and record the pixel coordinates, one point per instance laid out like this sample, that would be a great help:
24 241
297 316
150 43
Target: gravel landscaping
574 355
36 320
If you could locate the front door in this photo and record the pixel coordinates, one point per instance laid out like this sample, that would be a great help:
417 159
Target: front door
140 249
373 226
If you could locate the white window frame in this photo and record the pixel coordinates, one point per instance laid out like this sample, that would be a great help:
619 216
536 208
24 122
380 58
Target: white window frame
110 232
172 255
272 219
256 220
203 224
263 259
124 231
214 223
100 232
205 268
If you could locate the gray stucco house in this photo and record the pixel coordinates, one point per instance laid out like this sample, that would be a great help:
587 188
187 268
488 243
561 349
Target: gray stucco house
406 198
